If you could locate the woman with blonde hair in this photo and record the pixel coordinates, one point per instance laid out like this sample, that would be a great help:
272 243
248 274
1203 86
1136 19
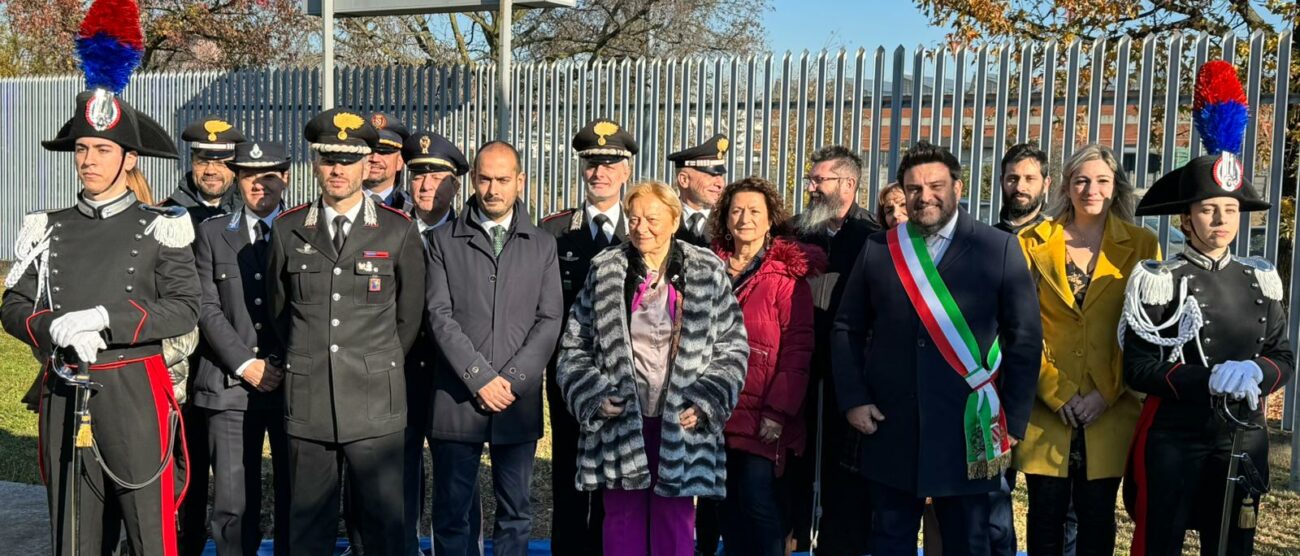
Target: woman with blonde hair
651 364
1084 416
139 186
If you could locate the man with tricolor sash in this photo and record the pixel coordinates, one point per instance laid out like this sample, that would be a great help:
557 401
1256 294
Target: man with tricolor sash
936 351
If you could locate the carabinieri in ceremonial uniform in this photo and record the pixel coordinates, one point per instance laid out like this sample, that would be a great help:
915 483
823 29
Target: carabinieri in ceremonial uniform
1204 329
347 283
103 282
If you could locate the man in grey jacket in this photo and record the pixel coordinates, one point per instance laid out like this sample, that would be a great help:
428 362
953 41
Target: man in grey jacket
494 310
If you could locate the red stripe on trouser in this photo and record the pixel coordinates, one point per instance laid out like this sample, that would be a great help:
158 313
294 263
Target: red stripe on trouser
1139 451
164 403
40 425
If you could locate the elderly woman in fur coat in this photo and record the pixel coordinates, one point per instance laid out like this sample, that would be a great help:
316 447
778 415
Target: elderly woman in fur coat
768 273
651 364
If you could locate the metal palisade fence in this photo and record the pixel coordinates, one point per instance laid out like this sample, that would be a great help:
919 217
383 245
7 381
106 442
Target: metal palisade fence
1131 95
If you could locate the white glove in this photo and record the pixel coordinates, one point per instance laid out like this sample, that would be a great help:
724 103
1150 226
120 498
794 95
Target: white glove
1250 393
1216 380
1231 377
87 346
64 328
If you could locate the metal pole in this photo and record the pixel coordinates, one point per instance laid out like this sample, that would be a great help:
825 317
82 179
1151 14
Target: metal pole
504 20
327 63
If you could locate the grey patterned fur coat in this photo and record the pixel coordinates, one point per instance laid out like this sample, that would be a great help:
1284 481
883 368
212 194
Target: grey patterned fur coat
708 372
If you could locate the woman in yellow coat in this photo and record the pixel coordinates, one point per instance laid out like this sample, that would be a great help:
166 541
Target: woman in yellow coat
1083 418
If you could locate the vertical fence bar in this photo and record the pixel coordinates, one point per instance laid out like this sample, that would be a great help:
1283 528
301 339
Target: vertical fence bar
859 95
1120 107
895 121
1139 179
977 132
877 103
1000 117
1255 66
1048 110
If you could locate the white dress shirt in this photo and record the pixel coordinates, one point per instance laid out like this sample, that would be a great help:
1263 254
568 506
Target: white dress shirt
687 212
614 213
487 223
251 219
937 243
352 213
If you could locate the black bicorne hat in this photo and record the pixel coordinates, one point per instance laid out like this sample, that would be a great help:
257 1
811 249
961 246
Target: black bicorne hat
98 113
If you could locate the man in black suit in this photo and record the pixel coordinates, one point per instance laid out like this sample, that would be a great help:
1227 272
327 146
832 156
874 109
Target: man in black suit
493 299
905 376
346 277
236 384
701 177
606 150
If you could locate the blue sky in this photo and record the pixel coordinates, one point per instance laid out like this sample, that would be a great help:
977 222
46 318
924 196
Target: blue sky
797 25
812 25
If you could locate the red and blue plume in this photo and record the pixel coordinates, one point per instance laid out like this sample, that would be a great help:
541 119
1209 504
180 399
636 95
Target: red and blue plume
110 44
1219 108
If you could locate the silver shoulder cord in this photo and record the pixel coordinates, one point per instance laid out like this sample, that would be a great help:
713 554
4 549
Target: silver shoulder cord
1187 317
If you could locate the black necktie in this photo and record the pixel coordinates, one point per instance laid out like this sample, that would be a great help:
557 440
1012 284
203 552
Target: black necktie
377 199
696 223
602 239
259 245
340 232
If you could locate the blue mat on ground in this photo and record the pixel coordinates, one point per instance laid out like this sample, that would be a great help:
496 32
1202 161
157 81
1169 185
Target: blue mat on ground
535 548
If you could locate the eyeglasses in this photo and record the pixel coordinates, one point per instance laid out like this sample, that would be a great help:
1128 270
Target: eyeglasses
205 162
819 180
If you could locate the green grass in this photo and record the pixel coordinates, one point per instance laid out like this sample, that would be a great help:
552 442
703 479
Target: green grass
1278 534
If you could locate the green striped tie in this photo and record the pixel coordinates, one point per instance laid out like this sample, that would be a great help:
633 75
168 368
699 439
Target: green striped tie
498 239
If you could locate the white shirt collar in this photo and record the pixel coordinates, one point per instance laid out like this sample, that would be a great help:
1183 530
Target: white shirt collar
382 194
687 212
251 220
487 223
613 214
352 213
947 230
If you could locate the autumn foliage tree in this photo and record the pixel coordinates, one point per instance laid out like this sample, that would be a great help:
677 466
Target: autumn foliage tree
36 36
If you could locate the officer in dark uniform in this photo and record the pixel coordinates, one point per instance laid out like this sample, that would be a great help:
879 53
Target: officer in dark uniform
1205 329
235 384
701 177
105 281
205 191
434 164
606 150
208 189
384 182
347 276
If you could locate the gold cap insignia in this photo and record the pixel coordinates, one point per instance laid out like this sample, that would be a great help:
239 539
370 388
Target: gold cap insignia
604 129
722 147
213 127
346 121
424 144
379 121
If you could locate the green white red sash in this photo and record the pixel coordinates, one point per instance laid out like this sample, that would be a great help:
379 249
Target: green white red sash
988 448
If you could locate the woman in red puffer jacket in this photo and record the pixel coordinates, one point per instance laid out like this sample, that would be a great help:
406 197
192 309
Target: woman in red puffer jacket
768 275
